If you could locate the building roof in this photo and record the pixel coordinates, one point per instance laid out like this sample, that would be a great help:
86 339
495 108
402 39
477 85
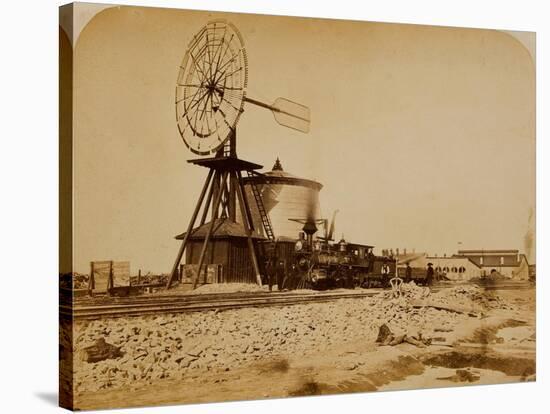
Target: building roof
493 264
368 246
223 228
409 257
524 256
454 257
483 251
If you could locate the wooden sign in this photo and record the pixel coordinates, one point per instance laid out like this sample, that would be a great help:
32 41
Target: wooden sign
107 274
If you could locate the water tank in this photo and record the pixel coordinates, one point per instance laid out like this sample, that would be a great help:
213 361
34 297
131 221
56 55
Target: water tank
284 197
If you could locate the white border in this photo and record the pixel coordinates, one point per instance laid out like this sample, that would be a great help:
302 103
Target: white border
28 167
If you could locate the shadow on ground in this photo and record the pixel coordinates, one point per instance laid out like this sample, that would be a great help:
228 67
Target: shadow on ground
49 397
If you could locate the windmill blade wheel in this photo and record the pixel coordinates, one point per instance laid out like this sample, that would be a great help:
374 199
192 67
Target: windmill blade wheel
211 87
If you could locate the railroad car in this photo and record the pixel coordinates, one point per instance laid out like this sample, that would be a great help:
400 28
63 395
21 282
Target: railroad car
418 275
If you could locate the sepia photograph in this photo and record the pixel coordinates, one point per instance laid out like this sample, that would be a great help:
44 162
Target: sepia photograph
257 206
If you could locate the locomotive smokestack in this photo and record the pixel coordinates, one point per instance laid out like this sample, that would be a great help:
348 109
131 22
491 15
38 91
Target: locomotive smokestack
310 228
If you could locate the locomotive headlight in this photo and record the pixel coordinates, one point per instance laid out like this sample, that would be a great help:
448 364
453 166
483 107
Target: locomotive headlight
298 246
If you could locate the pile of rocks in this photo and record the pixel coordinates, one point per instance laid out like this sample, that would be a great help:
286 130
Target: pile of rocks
409 291
469 296
184 345
149 279
412 291
73 281
186 289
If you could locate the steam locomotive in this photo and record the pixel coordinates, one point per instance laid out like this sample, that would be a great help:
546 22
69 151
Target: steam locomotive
321 263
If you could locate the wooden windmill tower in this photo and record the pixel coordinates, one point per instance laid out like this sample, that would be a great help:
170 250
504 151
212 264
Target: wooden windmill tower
210 97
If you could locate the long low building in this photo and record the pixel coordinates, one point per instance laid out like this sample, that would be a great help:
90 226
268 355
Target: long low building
468 264
453 267
509 263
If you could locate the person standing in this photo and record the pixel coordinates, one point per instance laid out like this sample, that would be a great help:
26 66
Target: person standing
281 274
385 270
269 273
408 273
271 265
429 274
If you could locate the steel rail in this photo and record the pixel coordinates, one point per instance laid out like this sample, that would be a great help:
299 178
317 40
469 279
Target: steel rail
213 296
160 305
108 307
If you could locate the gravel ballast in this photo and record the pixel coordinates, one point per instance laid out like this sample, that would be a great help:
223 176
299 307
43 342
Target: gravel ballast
154 348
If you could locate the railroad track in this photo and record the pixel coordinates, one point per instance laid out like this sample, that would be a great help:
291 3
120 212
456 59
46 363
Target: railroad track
150 305
112 307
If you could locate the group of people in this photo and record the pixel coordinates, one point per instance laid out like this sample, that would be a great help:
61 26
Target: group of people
429 274
408 273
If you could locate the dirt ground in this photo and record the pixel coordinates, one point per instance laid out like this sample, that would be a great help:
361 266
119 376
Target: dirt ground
476 337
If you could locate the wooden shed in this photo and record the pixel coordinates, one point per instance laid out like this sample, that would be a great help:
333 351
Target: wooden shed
227 249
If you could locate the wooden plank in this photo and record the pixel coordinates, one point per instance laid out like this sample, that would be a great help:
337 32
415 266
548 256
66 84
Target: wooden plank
121 273
106 274
100 276
209 273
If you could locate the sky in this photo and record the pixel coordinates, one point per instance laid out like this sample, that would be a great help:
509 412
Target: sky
422 136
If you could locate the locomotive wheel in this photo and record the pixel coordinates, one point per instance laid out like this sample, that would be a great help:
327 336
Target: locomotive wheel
289 283
303 283
321 285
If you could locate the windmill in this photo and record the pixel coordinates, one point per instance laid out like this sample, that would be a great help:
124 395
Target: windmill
210 98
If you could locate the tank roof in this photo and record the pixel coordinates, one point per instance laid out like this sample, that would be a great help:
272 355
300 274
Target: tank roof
277 166
278 175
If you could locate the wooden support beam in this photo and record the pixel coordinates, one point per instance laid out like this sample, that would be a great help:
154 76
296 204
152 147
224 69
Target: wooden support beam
208 200
209 232
216 190
189 229
232 201
240 185
246 216
225 200
232 189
